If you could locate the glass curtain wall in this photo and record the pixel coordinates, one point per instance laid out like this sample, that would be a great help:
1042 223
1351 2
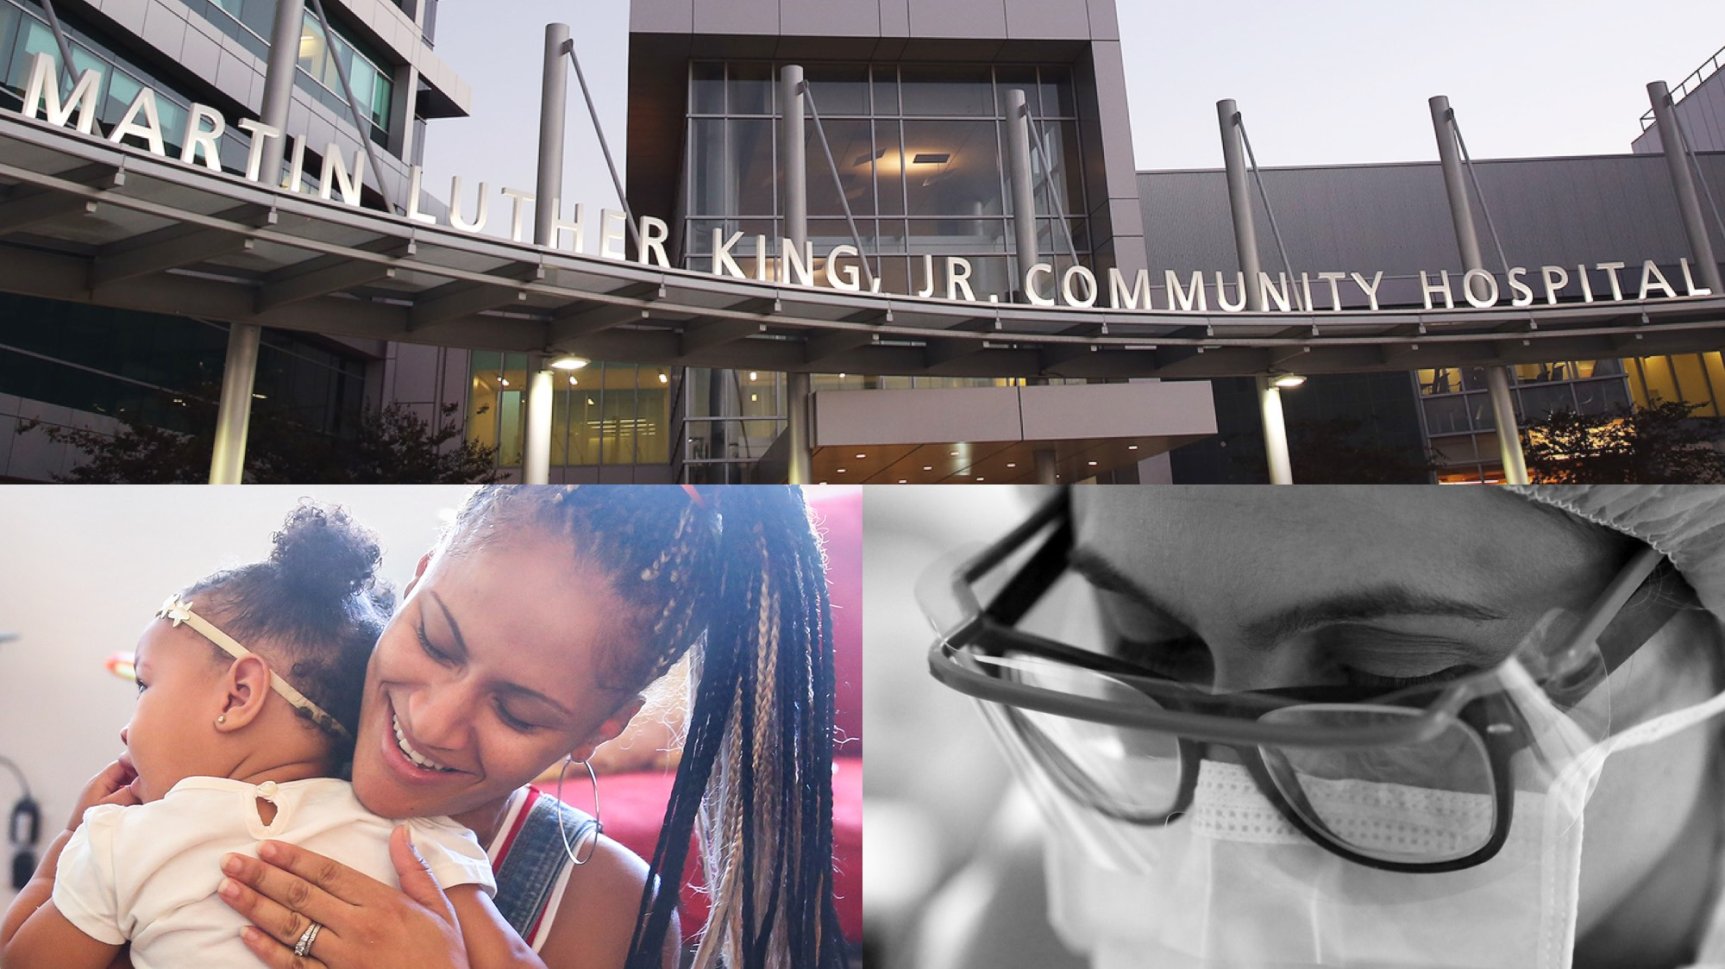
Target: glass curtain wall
919 152
1459 423
607 415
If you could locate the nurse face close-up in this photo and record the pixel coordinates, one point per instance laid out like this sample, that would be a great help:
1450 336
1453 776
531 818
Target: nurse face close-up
1461 663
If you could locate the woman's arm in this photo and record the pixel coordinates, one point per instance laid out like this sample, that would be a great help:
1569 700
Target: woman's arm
369 925
596 919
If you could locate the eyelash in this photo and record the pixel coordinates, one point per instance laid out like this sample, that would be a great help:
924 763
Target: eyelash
439 656
142 686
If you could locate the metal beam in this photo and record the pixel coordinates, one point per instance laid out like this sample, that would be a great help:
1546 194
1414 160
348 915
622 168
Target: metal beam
319 277
452 301
24 209
701 337
824 347
174 247
592 318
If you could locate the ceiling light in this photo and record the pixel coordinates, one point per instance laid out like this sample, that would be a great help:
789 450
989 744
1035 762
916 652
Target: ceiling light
903 481
573 382
1093 464
1011 465
841 471
928 467
1131 447
861 456
569 361
503 380
1287 381
664 378
754 375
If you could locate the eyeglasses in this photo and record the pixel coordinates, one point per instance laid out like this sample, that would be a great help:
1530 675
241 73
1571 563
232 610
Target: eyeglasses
1126 742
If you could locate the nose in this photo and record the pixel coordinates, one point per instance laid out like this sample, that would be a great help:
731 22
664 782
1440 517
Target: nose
441 714
1242 667
124 731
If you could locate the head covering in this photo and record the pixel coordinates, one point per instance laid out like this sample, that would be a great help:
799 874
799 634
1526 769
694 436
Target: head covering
1686 523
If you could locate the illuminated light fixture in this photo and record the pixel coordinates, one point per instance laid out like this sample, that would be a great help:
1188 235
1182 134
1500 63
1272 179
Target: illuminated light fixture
569 361
1093 464
841 376
953 453
754 398
503 380
980 479
573 382
1286 381
903 481
861 457
754 375
664 378
310 45
841 471
260 397
931 158
590 402
1131 447
928 467
1011 465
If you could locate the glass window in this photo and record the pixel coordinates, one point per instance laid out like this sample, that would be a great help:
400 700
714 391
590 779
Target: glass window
35 38
706 88
948 91
855 156
953 168
750 89
752 166
839 89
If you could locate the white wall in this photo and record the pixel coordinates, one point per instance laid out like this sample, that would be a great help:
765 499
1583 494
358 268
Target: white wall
82 569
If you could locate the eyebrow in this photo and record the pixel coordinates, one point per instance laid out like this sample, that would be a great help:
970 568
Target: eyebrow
514 688
1371 602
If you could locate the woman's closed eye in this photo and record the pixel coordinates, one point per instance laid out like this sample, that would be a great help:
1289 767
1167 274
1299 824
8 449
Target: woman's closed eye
512 720
436 654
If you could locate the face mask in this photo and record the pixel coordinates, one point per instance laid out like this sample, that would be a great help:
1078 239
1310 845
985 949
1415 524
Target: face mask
1234 884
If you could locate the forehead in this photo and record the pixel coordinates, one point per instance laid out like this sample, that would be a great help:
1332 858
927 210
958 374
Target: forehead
1277 544
530 597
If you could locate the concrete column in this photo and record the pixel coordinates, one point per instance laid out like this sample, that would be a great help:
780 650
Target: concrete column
233 419
1047 467
239 373
547 205
1246 245
1275 432
1467 240
1022 184
797 400
794 165
1683 181
553 109
536 449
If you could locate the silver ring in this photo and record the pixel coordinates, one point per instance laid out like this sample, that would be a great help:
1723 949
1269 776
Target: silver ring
302 948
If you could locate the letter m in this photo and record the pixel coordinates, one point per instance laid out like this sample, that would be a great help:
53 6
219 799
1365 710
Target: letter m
44 92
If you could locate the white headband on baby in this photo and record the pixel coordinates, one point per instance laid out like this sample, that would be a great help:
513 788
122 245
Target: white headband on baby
178 612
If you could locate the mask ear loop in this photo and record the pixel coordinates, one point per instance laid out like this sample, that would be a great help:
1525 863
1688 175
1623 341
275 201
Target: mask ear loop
587 835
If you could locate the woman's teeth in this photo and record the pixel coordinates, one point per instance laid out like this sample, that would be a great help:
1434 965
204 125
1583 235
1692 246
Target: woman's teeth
418 759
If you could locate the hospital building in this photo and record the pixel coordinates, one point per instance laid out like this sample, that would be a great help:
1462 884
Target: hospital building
958 148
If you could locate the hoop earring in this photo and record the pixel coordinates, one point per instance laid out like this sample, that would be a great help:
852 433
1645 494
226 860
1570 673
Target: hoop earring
587 835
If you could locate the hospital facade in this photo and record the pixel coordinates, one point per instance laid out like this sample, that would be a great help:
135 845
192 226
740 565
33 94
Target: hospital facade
909 158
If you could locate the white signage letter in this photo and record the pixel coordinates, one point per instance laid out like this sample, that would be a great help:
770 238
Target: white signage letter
261 133
1335 291
1611 269
1689 282
151 128
197 136
1030 276
957 280
850 280
1652 278
653 232
456 217
1371 289
43 91
1523 292
1182 299
1239 290
613 226
723 264
1487 288
1090 287
1556 278
796 263
518 205
1443 287
1269 291
416 179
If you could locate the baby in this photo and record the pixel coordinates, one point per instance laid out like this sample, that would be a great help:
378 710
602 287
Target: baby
248 691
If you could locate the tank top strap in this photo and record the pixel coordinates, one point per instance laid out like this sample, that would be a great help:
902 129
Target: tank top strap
532 864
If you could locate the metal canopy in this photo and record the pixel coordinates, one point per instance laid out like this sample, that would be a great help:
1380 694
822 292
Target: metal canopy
87 221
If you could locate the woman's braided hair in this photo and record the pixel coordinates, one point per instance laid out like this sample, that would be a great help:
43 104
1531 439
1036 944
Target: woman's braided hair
736 574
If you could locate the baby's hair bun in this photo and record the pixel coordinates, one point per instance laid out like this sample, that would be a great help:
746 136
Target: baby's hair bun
322 551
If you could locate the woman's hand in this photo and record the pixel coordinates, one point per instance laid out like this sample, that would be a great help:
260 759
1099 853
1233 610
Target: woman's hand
365 922
114 785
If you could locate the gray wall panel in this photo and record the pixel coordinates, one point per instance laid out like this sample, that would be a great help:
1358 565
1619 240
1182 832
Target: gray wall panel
662 16
815 18
738 17
958 18
1041 20
1561 211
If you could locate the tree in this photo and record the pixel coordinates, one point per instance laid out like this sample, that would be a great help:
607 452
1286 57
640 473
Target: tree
393 446
1661 444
